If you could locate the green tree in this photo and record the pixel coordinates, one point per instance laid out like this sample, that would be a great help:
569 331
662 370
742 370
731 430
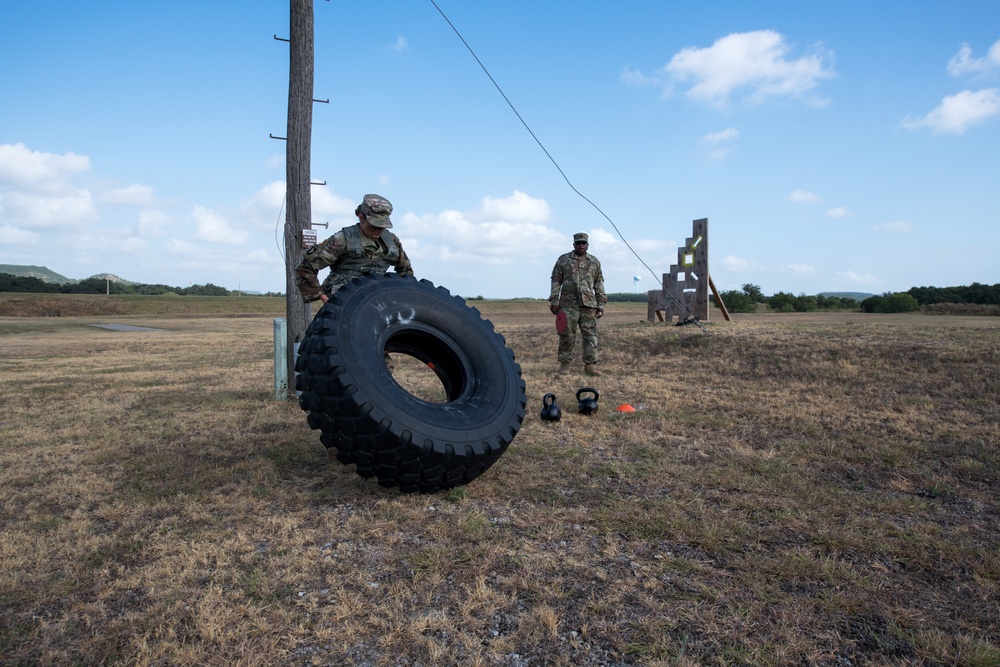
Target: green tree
737 301
753 291
205 290
782 302
900 302
806 304
872 304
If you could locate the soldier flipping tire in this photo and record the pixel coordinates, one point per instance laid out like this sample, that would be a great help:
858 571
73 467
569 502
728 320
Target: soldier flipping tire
372 421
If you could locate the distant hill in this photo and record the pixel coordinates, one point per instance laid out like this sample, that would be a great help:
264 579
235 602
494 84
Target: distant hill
857 296
112 277
43 273
47 275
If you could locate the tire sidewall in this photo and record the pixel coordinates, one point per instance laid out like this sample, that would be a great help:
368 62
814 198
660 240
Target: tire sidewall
372 313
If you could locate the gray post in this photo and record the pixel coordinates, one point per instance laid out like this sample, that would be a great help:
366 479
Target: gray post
280 360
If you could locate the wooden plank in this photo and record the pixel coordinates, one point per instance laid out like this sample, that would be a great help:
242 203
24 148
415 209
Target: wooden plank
718 299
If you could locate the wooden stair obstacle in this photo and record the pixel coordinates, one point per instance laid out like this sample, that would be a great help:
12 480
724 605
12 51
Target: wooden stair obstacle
685 288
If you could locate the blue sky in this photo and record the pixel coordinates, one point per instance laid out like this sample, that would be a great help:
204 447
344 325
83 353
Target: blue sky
851 146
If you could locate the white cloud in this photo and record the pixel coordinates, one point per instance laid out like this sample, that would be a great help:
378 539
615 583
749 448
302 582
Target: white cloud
803 197
37 192
35 211
600 237
152 223
728 134
620 265
212 227
15 236
97 242
718 141
963 63
720 154
191 262
838 212
755 64
326 204
24 167
957 113
518 207
262 210
860 278
734 263
266 208
506 246
476 237
181 247
132 195
634 77
895 226
801 269
400 44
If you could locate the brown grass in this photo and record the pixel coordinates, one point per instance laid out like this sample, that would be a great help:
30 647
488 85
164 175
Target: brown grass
812 490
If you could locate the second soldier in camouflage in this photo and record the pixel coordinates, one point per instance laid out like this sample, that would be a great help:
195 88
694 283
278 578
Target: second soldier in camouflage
578 291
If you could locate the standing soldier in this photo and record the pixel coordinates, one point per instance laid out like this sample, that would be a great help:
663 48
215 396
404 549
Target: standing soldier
578 291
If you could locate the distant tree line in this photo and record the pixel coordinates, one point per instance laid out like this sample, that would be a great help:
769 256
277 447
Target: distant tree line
750 297
915 297
974 293
745 300
12 283
627 297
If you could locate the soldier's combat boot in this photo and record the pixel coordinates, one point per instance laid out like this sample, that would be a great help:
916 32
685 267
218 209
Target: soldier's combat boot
564 368
591 369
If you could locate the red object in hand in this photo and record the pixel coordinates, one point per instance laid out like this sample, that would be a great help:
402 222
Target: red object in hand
561 322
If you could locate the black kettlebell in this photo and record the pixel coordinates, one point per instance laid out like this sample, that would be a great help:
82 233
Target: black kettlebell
588 406
550 411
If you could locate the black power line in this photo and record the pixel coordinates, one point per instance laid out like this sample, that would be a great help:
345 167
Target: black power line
690 316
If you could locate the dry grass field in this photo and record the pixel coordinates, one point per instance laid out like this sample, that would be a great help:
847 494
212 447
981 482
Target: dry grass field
792 490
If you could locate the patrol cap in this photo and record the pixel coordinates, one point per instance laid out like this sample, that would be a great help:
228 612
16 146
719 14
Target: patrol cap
376 210
580 237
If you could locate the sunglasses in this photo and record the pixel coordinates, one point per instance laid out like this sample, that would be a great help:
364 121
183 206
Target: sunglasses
580 243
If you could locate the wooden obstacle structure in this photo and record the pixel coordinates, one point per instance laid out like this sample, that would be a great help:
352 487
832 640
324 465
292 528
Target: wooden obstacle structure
685 289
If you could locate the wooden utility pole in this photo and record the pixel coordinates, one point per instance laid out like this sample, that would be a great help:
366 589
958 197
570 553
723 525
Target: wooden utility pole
298 159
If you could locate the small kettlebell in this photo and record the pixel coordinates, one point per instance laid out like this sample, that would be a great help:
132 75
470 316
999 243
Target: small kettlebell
588 406
550 411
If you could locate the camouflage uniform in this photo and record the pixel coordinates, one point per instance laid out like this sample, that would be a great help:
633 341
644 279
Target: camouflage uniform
350 253
578 289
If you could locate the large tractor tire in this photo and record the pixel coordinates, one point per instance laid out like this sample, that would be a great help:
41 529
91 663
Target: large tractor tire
372 420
